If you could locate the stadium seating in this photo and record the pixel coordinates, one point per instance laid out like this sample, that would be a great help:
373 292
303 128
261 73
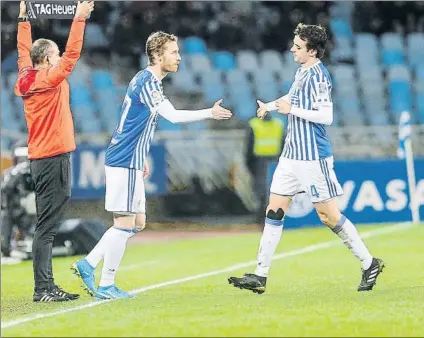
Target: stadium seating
224 60
383 76
194 45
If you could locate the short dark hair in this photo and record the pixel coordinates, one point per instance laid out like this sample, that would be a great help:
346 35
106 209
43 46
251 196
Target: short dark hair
39 50
315 37
156 43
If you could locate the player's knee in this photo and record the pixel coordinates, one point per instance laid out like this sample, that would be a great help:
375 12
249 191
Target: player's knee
275 215
329 220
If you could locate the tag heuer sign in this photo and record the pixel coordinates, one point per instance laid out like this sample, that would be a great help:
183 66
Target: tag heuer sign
51 9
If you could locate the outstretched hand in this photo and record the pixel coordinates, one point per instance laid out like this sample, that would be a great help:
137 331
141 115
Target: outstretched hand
220 113
84 8
22 9
262 111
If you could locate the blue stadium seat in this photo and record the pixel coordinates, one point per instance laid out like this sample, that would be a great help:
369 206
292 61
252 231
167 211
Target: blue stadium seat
419 104
6 143
11 79
18 105
83 112
369 75
285 86
341 28
236 77
199 63
165 125
78 79
393 57
91 126
400 97
392 41
350 106
267 91
244 110
378 118
224 60
184 81
194 45
263 76
247 60
212 77
239 93
366 50
271 60
102 79
343 74
415 43
342 50
80 95
94 36
399 73
420 73
213 93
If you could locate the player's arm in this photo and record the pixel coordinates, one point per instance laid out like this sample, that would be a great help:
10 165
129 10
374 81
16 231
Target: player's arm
152 96
322 105
73 47
24 39
270 106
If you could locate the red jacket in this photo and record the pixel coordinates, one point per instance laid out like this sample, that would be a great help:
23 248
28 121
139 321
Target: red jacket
45 92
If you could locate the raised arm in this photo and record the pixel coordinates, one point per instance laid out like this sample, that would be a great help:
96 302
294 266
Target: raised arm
73 47
24 38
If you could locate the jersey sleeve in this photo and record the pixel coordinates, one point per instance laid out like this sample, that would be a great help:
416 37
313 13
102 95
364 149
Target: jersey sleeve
151 94
321 91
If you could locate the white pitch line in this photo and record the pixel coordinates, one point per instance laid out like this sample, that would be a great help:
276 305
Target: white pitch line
381 231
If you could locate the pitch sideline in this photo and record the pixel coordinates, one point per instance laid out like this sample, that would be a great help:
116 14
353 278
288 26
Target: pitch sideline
381 231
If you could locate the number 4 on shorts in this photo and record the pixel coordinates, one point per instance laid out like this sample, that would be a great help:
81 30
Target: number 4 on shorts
314 191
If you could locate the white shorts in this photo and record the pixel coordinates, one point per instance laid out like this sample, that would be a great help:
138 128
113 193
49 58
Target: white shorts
124 191
316 178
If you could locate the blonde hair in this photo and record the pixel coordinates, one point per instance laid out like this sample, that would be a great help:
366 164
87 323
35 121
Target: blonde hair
155 44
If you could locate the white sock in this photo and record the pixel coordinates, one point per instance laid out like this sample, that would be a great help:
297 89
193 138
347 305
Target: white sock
98 252
270 238
115 249
350 237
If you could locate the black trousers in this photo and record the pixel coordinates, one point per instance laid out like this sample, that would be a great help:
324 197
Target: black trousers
52 180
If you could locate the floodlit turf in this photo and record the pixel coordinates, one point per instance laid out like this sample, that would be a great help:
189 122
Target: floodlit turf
308 294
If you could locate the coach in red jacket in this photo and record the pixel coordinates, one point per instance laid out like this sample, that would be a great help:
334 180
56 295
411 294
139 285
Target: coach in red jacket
42 85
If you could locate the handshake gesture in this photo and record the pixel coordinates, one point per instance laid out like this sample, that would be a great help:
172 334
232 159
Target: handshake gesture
220 113
283 107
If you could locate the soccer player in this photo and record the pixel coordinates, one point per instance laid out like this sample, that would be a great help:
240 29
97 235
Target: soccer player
126 161
306 163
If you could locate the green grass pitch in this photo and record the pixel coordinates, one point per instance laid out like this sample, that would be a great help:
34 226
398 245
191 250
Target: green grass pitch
310 292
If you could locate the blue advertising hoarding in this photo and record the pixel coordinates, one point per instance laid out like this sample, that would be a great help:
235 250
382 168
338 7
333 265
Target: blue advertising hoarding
374 192
88 176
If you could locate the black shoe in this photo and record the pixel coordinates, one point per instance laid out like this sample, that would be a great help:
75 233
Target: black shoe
47 296
57 290
249 281
369 276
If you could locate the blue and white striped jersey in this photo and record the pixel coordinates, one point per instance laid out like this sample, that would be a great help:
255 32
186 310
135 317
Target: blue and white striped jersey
308 141
133 135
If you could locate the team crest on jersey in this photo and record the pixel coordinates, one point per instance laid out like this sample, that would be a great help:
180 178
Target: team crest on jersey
156 97
300 84
322 88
